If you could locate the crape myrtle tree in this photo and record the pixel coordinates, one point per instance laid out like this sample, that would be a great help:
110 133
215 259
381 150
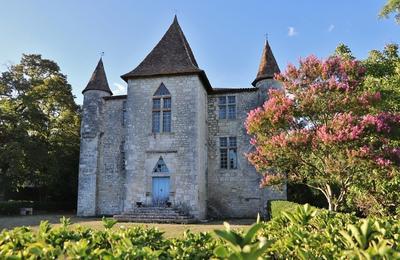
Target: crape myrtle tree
39 128
378 196
322 130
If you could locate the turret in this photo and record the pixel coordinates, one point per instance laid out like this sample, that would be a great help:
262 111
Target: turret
91 133
266 71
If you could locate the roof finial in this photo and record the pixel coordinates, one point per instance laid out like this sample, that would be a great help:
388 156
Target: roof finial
266 38
175 15
101 54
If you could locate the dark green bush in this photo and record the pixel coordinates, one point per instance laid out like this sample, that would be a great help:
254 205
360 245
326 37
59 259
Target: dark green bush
12 207
302 194
52 206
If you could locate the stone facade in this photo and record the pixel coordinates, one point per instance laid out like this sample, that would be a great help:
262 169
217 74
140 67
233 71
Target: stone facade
119 150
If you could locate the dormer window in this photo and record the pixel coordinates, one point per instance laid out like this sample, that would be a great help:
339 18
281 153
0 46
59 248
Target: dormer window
161 116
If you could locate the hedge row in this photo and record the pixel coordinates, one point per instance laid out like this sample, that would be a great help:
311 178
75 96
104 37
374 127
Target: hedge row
306 233
13 207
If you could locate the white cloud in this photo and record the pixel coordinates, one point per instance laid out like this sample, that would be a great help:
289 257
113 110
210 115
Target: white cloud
119 89
331 27
292 31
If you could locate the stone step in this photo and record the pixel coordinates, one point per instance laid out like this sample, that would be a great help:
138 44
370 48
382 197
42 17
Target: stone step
153 212
147 220
155 215
151 217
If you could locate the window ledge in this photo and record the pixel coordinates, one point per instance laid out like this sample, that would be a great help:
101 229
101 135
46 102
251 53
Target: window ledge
162 134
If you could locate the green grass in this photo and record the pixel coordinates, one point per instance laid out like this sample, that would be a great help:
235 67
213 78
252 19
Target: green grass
171 230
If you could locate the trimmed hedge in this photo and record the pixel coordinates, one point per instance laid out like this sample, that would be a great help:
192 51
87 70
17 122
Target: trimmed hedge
12 207
306 233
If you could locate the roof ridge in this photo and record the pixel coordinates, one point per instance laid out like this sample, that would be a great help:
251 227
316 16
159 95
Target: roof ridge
185 43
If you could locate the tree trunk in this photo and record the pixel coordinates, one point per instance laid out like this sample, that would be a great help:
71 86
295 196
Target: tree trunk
330 204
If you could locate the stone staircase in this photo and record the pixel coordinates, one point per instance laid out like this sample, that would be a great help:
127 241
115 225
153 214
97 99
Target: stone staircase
155 215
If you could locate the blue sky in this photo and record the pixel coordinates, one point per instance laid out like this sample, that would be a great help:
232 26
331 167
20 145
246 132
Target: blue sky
226 36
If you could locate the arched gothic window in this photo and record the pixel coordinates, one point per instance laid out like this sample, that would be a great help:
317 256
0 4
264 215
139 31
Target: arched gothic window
161 166
161 116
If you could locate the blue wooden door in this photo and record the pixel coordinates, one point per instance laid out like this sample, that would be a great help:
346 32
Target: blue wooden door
160 190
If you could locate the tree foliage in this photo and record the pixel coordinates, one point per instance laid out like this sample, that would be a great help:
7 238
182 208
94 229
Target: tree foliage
39 127
323 130
383 76
392 6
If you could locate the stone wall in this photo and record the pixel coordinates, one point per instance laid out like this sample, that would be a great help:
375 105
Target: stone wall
91 134
235 192
191 151
110 191
181 149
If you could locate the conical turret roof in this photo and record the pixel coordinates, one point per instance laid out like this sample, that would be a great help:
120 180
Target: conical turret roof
98 81
268 65
171 56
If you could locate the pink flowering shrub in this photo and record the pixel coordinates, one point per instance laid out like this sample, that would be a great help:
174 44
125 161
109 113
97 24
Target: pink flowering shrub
321 130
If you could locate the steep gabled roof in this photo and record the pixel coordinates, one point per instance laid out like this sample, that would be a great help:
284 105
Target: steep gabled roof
98 81
171 56
268 65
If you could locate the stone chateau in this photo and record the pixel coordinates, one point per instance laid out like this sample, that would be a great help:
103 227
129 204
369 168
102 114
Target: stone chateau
173 141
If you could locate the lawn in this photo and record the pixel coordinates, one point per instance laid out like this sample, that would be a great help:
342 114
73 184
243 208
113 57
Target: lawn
171 230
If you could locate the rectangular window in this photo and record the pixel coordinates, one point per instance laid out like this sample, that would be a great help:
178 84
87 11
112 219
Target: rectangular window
123 113
222 107
156 104
224 159
161 114
156 122
167 103
228 152
227 107
231 107
167 121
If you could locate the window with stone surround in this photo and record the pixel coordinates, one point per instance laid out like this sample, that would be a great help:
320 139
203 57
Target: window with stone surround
227 107
228 152
161 111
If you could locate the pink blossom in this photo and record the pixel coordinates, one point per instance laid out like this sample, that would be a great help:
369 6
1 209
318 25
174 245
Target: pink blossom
383 162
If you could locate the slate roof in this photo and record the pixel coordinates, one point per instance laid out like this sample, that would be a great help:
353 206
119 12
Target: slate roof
171 56
98 81
268 65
